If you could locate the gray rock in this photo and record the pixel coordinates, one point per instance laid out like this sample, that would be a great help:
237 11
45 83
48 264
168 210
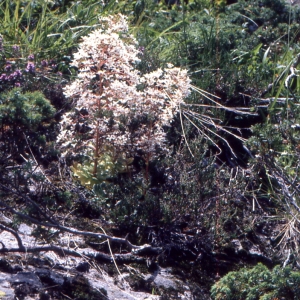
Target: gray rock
28 278
25 229
5 220
165 281
49 277
6 291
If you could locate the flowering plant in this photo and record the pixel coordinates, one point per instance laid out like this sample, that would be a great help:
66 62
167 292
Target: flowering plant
115 104
29 72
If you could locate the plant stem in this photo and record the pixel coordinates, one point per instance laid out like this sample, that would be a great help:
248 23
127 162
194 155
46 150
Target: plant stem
97 138
96 151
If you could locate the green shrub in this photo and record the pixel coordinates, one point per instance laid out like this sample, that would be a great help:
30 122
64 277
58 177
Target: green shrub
24 114
26 111
258 283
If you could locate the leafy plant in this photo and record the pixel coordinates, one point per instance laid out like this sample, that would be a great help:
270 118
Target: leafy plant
22 117
108 168
258 283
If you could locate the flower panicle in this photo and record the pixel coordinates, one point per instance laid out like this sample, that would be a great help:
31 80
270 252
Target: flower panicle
108 88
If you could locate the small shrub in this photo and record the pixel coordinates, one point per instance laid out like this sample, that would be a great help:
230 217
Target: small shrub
258 283
22 116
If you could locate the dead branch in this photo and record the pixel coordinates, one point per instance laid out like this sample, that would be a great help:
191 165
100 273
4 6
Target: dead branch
71 230
134 248
63 252
15 234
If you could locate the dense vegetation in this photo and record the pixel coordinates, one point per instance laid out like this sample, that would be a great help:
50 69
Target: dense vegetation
205 96
258 283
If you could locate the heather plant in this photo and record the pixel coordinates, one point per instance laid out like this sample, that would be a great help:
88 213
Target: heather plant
26 73
37 38
189 183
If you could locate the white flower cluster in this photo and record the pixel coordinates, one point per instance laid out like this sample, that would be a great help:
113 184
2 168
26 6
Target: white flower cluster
126 109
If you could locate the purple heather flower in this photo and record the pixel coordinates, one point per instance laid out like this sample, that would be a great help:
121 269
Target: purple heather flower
15 75
59 73
3 77
31 57
30 67
16 48
52 64
8 66
11 77
141 49
44 63
17 84
18 73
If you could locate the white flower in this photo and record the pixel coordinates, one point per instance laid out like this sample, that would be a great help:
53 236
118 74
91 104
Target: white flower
106 90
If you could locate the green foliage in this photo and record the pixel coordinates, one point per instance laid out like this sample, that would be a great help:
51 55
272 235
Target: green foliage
24 116
176 187
42 28
108 167
201 37
46 31
24 111
258 283
238 49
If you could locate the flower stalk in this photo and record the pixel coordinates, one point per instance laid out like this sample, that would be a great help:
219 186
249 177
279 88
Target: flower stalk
126 110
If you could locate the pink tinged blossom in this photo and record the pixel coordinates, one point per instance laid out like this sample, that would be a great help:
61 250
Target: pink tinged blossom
7 67
3 77
16 48
30 68
18 73
44 63
107 88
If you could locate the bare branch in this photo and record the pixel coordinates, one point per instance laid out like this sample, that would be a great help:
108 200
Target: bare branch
120 258
15 234
123 241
